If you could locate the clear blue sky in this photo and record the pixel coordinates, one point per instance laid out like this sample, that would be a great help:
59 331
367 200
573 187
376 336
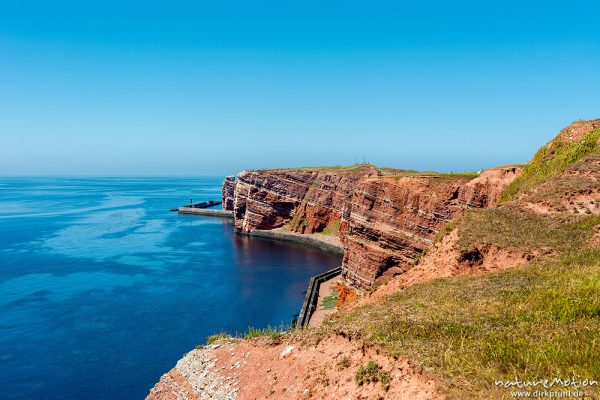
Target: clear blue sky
214 87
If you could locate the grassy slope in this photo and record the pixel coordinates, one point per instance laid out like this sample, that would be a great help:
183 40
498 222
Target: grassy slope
517 228
514 226
550 161
532 322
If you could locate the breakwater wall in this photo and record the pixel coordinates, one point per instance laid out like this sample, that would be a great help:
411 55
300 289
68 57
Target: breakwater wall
298 239
205 211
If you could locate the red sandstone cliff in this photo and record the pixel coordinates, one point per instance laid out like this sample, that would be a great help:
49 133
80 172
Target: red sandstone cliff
485 190
394 219
309 200
228 192
385 222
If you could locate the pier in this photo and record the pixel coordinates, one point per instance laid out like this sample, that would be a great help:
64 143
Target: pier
204 208
205 211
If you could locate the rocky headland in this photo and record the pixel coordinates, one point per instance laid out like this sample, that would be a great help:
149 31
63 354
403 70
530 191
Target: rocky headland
384 218
408 334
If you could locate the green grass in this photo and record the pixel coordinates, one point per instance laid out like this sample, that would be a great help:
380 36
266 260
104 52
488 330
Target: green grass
517 228
445 230
331 300
332 229
213 338
371 373
273 333
393 172
532 322
397 173
550 161
335 168
343 363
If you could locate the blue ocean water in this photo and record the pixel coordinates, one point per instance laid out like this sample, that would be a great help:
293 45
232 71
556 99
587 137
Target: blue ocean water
102 289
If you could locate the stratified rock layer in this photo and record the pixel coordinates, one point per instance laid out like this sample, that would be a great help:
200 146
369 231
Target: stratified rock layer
394 219
385 222
309 200
228 192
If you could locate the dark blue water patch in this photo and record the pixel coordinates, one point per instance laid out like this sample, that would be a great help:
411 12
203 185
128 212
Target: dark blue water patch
102 289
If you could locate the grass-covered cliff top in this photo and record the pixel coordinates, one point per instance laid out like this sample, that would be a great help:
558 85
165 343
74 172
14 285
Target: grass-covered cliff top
531 322
384 172
540 211
400 173
551 160
334 168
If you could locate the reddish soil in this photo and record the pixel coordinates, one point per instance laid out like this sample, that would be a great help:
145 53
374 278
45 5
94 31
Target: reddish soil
443 260
346 295
292 369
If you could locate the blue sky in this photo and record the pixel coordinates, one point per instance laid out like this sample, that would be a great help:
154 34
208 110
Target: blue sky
214 87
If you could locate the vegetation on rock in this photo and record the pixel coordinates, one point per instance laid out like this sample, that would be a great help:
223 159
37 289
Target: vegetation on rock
530 322
551 160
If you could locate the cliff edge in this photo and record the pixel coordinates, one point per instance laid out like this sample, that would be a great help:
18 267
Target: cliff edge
474 280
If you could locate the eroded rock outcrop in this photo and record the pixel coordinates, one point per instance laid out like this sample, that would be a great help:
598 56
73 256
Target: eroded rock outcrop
393 219
485 190
290 369
309 200
385 221
228 192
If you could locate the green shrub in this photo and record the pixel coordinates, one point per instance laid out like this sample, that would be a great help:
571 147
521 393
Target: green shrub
343 363
272 332
213 338
372 373
332 229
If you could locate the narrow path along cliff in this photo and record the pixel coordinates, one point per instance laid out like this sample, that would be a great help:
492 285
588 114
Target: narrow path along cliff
408 334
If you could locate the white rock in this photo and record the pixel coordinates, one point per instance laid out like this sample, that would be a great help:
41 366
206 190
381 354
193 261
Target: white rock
287 351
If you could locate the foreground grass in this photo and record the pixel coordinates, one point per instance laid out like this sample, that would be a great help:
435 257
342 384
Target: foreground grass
541 321
273 333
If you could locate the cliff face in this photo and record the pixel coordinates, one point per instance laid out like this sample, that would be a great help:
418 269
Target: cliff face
385 222
394 219
309 200
228 192
485 190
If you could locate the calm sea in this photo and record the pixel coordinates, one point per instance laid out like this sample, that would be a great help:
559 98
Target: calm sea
102 289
